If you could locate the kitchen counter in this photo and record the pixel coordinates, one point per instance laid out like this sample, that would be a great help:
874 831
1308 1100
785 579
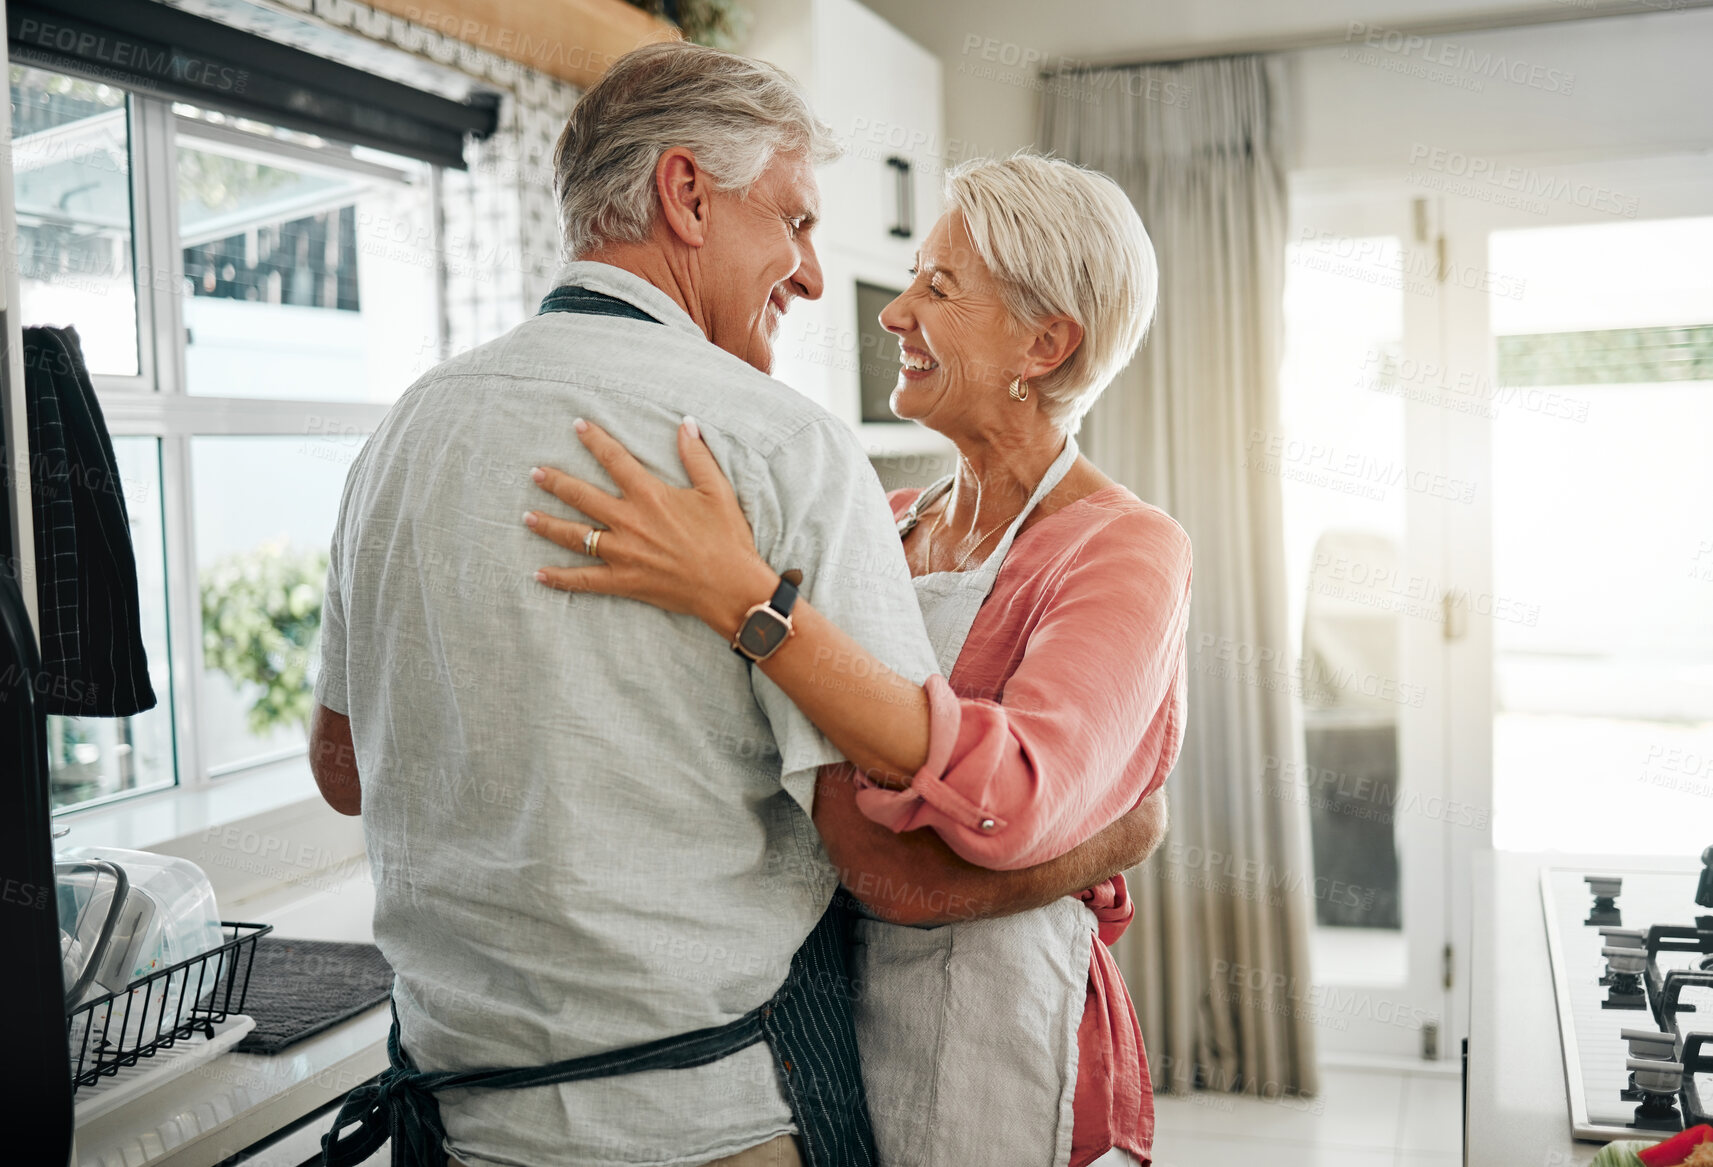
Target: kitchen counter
234 1101
1517 1106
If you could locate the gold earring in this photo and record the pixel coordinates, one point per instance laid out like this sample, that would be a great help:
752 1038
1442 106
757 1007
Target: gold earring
1019 389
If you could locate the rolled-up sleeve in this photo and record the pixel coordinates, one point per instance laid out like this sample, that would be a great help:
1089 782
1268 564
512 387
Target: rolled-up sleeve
1090 722
817 505
1112 907
330 649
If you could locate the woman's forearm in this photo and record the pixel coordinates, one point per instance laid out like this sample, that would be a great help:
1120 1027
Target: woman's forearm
692 550
876 718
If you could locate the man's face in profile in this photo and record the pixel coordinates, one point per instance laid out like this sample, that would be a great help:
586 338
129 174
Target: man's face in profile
759 257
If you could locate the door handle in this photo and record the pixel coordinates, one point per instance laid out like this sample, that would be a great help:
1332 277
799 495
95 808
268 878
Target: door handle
903 187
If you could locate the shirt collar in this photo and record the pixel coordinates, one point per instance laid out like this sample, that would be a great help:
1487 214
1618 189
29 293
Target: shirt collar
629 287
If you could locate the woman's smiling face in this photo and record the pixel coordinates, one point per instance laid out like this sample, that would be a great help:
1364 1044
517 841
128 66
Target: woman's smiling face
960 347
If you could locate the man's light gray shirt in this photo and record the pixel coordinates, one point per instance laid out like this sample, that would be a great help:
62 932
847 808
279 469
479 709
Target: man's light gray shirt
587 819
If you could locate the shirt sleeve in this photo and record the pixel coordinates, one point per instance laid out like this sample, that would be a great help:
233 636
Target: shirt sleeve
822 510
331 675
1088 725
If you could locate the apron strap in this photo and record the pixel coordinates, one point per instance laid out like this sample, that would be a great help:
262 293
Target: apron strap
907 522
399 1104
1056 472
807 1025
812 1032
583 302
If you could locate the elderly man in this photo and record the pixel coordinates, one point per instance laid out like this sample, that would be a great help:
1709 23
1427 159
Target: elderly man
601 867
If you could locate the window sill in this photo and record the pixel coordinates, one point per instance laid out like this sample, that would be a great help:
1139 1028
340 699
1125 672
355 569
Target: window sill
160 818
263 834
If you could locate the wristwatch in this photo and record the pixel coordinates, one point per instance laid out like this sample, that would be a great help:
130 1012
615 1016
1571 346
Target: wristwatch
767 626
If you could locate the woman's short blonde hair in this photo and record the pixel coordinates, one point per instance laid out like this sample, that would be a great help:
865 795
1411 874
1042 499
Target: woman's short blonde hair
1062 241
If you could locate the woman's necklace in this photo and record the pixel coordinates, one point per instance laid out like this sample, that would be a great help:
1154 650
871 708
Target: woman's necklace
940 520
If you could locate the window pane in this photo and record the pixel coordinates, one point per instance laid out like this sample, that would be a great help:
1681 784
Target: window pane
1603 529
97 757
304 282
1342 407
265 508
71 178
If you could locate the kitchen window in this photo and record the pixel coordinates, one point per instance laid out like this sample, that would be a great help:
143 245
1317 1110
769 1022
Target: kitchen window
250 300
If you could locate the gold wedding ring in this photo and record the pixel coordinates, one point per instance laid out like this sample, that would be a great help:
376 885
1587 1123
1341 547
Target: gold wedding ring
591 542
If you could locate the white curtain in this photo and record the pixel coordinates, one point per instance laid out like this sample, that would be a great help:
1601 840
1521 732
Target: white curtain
1217 959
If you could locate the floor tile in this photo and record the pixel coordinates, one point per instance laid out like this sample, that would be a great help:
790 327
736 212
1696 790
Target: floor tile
1433 1115
1213 1151
1354 1109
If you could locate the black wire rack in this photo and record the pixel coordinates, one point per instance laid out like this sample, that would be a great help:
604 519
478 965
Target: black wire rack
169 1005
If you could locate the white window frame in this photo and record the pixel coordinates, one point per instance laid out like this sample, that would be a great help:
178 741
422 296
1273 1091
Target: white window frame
156 402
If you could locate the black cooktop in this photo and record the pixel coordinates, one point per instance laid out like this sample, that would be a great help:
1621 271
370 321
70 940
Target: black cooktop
1633 978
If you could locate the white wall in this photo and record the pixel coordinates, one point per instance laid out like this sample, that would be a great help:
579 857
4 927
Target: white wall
1640 85
1611 88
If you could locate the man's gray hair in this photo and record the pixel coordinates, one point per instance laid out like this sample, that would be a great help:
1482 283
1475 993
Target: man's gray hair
734 114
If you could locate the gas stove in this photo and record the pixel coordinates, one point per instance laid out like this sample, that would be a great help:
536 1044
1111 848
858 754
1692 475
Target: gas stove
1632 971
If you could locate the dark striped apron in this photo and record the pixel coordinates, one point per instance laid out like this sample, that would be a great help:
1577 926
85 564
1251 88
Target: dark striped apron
807 1026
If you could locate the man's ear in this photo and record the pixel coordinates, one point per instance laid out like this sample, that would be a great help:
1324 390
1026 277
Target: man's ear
686 196
1052 345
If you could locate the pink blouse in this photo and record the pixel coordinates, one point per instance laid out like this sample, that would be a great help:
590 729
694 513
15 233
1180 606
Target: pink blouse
1064 710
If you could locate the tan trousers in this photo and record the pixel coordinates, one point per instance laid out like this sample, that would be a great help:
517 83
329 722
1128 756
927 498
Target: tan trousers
780 1152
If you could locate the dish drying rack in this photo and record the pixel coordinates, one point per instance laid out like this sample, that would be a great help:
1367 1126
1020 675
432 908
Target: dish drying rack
154 1012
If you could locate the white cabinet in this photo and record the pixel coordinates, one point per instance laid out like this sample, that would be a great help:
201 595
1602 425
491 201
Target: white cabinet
880 93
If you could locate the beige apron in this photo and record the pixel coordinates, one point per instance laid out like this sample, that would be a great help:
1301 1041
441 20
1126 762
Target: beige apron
968 1032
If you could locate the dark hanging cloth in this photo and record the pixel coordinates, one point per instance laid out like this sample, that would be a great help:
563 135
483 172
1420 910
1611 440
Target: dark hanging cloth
93 663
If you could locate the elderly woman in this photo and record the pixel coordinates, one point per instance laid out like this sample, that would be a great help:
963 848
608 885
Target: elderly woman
1056 601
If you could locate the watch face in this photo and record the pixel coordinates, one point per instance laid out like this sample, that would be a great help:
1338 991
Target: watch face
764 631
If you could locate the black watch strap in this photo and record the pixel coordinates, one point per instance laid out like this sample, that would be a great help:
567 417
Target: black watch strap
784 596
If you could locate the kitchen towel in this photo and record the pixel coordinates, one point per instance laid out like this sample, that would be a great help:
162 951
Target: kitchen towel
300 987
93 663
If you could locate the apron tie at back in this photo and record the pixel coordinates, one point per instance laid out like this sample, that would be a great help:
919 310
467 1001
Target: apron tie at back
400 1104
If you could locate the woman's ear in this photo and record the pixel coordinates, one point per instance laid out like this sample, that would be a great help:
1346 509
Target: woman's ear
685 194
1052 346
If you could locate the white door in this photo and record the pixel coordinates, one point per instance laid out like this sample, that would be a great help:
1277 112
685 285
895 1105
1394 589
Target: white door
1583 708
1366 499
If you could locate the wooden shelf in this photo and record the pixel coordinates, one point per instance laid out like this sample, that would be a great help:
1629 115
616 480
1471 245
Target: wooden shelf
574 40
